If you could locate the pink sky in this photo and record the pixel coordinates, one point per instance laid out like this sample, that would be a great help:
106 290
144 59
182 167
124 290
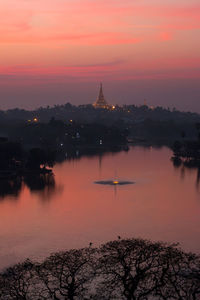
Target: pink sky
57 51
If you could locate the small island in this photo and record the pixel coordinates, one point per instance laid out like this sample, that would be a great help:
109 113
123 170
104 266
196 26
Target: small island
114 182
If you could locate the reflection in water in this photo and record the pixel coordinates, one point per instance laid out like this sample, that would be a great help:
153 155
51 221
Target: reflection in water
160 206
49 192
44 184
182 172
10 187
187 166
39 181
93 151
114 183
198 178
100 163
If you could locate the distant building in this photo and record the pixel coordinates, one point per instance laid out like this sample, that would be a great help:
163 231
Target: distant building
101 102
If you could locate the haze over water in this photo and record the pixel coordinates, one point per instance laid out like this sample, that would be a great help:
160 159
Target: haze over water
163 204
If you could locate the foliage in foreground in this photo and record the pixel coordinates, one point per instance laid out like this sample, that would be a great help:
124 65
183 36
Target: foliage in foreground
121 269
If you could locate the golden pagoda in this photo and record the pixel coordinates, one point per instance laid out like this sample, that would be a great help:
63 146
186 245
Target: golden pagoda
101 102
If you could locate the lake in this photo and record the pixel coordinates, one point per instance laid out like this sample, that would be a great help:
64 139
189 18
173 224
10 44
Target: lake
162 204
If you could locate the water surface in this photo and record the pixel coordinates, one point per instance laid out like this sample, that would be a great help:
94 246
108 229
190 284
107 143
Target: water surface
162 204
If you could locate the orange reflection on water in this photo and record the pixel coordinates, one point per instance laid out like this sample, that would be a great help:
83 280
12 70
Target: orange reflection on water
161 205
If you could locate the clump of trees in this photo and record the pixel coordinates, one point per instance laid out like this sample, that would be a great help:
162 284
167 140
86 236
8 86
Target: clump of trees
121 269
187 151
38 157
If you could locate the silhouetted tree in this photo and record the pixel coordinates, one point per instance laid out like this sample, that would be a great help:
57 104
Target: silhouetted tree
132 269
181 275
67 275
177 148
17 282
38 157
138 269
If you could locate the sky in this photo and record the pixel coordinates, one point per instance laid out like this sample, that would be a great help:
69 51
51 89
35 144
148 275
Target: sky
58 51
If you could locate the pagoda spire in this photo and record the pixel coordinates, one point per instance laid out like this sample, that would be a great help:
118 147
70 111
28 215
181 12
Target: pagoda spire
101 96
101 102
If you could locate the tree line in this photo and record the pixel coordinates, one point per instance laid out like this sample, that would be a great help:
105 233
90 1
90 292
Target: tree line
187 152
121 269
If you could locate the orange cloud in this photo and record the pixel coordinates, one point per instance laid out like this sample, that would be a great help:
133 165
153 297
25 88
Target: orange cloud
165 36
145 35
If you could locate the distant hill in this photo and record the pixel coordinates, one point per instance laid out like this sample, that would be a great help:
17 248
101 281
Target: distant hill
87 113
142 122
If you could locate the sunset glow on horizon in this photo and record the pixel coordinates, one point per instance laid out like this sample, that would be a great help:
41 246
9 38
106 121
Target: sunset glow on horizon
50 48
